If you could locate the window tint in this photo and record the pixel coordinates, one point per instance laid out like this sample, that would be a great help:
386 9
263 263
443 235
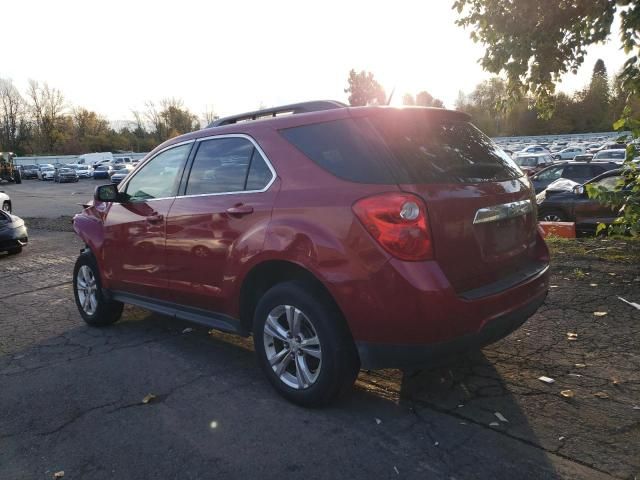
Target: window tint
552 173
609 183
259 173
577 171
159 177
403 146
220 166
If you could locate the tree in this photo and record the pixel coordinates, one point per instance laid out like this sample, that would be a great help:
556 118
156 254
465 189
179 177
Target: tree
407 99
170 119
14 127
535 43
425 99
363 89
47 107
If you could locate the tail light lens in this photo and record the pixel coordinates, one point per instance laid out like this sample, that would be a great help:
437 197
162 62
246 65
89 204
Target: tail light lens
399 223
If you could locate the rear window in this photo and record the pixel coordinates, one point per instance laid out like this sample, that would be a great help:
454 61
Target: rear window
404 146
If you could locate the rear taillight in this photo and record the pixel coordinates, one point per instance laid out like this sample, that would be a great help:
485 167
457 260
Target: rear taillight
398 221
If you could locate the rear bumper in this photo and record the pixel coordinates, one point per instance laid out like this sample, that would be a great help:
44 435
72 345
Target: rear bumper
376 356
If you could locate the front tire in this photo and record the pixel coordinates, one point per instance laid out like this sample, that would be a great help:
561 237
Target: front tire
95 308
6 207
303 344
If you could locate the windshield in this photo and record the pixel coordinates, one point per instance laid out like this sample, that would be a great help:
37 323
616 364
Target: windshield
614 154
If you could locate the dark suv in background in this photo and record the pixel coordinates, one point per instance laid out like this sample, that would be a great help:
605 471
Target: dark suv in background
339 237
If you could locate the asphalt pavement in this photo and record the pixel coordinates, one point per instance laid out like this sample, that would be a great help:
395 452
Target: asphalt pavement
152 397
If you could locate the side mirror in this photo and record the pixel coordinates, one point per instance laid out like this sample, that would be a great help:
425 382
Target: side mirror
578 190
106 193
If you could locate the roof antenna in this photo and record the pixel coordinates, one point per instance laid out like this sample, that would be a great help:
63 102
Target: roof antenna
391 95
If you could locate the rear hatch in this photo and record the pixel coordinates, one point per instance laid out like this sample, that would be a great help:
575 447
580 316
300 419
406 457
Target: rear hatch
479 203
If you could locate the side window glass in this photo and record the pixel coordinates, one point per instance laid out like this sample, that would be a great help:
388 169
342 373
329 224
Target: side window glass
159 178
550 174
259 173
220 166
609 183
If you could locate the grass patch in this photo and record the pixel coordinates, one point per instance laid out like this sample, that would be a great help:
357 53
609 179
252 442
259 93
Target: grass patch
612 249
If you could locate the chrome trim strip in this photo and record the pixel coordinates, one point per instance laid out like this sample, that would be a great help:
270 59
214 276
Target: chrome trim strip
502 212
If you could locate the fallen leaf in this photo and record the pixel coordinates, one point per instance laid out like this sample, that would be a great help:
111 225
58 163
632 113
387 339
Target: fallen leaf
59 474
436 444
636 407
572 336
601 395
500 417
553 286
612 274
187 330
580 365
396 469
378 421
494 424
615 381
560 439
567 393
147 398
460 405
575 375
599 314
546 379
593 284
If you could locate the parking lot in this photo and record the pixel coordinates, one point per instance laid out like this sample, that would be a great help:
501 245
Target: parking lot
152 397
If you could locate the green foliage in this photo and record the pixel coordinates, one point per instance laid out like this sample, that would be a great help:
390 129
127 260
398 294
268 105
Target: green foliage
422 99
363 89
534 43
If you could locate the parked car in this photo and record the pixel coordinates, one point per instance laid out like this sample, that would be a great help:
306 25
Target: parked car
13 233
568 153
617 156
46 172
584 157
5 202
83 171
579 172
368 237
575 205
102 171
29 171
532 149
120 172
608 146
530 164
65 174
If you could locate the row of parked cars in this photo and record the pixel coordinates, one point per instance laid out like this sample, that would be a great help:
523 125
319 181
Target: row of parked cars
560 181
114 170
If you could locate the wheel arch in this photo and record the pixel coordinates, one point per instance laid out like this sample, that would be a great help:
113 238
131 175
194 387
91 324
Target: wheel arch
268 273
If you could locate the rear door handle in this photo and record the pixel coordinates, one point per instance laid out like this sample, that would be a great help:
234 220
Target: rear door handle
240 209
155 218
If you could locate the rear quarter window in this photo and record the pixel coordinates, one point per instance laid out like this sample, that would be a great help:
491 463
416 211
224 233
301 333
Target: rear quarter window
398 146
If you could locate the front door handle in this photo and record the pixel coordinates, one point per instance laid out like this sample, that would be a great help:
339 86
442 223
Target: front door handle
240 209
155 218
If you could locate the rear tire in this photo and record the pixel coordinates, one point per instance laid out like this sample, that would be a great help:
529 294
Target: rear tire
94 306
17 177
303 344
552 216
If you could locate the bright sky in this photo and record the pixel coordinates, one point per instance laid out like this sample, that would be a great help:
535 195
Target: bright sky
112 56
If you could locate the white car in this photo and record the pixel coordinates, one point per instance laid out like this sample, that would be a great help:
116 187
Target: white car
531 149
5 202
45 172
617 156
568 153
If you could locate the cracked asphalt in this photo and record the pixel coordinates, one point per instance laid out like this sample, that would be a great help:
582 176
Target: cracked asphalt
71 396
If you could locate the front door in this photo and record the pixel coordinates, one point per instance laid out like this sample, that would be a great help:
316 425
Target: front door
135 229
219 221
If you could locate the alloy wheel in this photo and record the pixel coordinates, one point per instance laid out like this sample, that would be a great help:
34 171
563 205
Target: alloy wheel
87 290
292 347
551 217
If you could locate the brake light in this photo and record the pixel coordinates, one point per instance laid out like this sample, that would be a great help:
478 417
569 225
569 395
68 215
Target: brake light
399 223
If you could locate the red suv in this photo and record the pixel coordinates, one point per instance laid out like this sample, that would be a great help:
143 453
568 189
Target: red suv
341 238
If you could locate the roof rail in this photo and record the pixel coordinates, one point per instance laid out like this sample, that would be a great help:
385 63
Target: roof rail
303 107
